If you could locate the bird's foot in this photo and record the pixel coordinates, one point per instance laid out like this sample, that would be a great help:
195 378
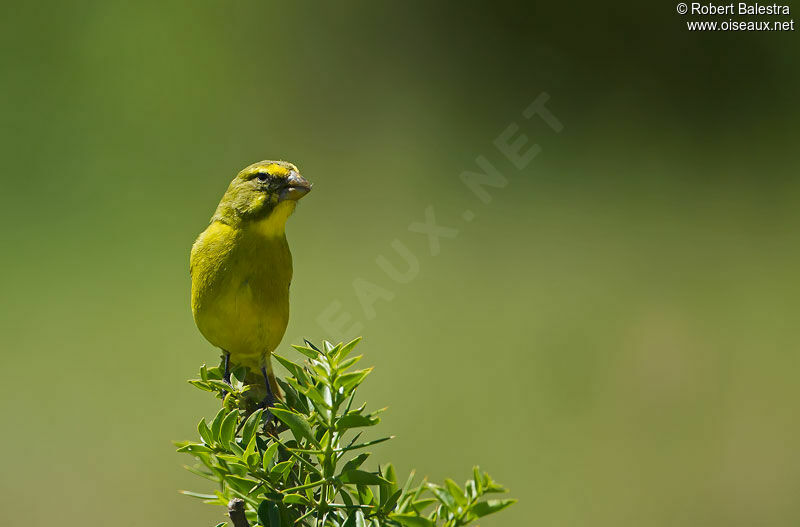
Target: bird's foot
266 404
270 423
269 400
226 375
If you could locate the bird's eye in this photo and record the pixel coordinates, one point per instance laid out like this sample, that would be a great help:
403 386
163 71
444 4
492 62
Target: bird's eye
262 177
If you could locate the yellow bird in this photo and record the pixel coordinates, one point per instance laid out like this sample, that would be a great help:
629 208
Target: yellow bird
241 268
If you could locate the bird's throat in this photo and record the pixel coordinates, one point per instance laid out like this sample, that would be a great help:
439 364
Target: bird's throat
274 224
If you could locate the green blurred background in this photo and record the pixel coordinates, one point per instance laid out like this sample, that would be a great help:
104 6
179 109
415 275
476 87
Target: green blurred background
613 336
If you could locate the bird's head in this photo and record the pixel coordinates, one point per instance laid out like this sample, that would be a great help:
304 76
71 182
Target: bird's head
264 193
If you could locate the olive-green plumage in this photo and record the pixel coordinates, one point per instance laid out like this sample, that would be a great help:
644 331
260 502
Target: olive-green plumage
241 266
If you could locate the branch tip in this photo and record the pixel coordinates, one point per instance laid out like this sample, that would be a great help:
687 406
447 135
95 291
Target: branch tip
236 513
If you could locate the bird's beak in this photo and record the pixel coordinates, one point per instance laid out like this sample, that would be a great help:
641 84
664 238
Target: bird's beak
296 187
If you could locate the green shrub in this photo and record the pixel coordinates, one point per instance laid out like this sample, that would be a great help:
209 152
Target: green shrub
304 467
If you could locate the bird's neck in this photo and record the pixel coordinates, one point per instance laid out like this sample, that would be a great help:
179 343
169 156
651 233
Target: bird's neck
274 224
271 225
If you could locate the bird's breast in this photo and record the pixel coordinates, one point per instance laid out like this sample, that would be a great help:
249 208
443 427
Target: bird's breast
241 301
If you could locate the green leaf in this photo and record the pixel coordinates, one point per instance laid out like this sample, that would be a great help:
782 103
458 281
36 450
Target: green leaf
345 350
311 345
308 352
198 495
295 369
361 477
348 501
489 485
202 474
349 362
197 383
227 431
236 449
214 372
269 454
239 374
444 497
412 521
322 371
195 448
456 492
421 505
249 456
390 474
366 444
348 381
220 385
282 468
216 424
350 521
471 490
388 491
476 477
299 499
312 393
241 484
205 432
230 459
293 398
269 514
483 508
405 497
220 500
389 504
355 462
299 425
349 421
365 495
251 426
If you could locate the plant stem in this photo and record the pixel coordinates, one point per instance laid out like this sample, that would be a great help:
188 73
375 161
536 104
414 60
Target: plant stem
236 513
